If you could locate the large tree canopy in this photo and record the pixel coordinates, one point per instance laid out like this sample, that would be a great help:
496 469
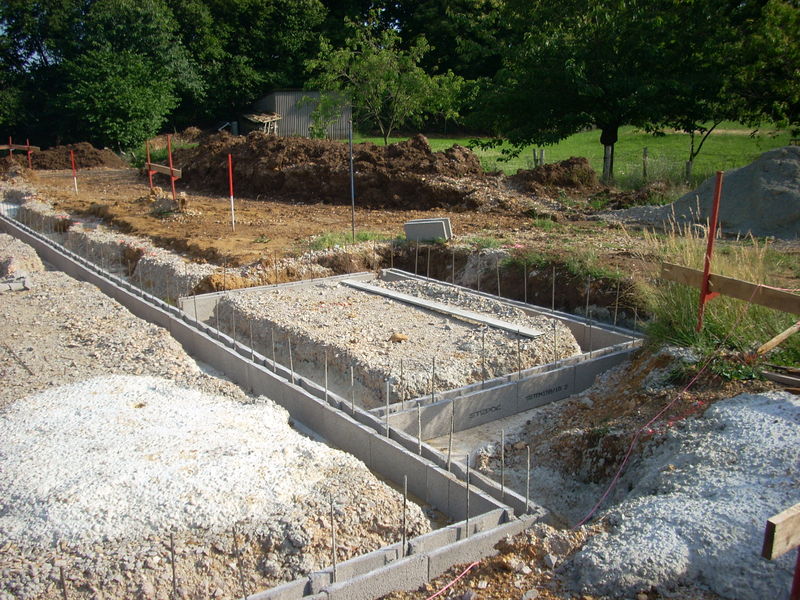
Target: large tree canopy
577 64
385 83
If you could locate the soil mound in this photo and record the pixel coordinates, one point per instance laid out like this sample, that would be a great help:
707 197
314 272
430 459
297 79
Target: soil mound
86 157
403 175
575 172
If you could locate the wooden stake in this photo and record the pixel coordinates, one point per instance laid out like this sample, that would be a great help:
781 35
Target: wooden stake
428 271
63 583
766 347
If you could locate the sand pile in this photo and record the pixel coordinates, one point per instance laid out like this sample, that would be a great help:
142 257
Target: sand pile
762 198
403 175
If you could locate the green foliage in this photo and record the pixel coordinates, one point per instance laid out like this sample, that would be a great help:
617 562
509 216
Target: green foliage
157 155
483 242
114 94
546 224
592 63
326 111
733 324
384 82
326 241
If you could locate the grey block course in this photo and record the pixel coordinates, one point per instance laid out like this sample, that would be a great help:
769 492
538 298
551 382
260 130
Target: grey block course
405 574
472 548
388 457
294 590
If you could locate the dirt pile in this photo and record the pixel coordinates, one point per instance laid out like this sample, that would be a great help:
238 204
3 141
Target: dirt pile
573 173
404 175
86 157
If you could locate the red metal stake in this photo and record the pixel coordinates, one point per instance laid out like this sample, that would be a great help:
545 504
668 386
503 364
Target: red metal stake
230 185
171 174
74 171
149 170
28 144
795 594
705 295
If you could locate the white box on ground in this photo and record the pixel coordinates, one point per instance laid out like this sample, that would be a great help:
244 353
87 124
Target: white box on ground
428 230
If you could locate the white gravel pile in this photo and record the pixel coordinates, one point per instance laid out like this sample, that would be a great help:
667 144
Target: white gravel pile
356 328
698 506
99 474
125 457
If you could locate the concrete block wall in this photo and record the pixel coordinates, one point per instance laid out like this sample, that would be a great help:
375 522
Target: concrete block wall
385 455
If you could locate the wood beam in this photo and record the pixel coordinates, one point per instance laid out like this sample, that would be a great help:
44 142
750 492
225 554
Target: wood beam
782 533
176 173
735 288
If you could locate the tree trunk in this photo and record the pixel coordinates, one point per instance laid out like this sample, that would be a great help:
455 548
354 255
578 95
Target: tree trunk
608 164
608 137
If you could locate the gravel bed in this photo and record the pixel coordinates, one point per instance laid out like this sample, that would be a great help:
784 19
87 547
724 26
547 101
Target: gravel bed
113 439
356 328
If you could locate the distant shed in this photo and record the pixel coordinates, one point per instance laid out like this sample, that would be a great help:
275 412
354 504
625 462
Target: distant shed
296 112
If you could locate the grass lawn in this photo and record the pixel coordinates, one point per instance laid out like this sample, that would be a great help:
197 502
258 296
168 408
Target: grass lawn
732 146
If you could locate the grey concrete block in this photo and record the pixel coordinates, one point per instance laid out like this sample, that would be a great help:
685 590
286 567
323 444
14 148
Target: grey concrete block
472 548
391 460
361 565
405 574
428 230
544 388
293 590
437 489
435 420
586 372
484 406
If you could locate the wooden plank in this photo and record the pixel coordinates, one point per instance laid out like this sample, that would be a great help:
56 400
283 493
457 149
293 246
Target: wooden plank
450 311
18 147
782 533
163 169
787 380
735 288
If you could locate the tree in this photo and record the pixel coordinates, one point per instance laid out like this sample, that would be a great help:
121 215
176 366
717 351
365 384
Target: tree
384 83
467 35
129 73
578 64
246 48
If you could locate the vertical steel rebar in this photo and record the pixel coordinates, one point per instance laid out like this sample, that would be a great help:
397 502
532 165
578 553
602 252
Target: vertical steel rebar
333 539
405 508
291 362
274 362
387 407
419 429
528 482
502 465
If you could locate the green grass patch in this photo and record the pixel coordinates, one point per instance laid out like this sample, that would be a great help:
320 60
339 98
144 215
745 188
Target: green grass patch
732 146
483 242
157 155
329 240
729 324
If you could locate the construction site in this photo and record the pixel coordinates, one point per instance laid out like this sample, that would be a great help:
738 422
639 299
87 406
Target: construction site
199 402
